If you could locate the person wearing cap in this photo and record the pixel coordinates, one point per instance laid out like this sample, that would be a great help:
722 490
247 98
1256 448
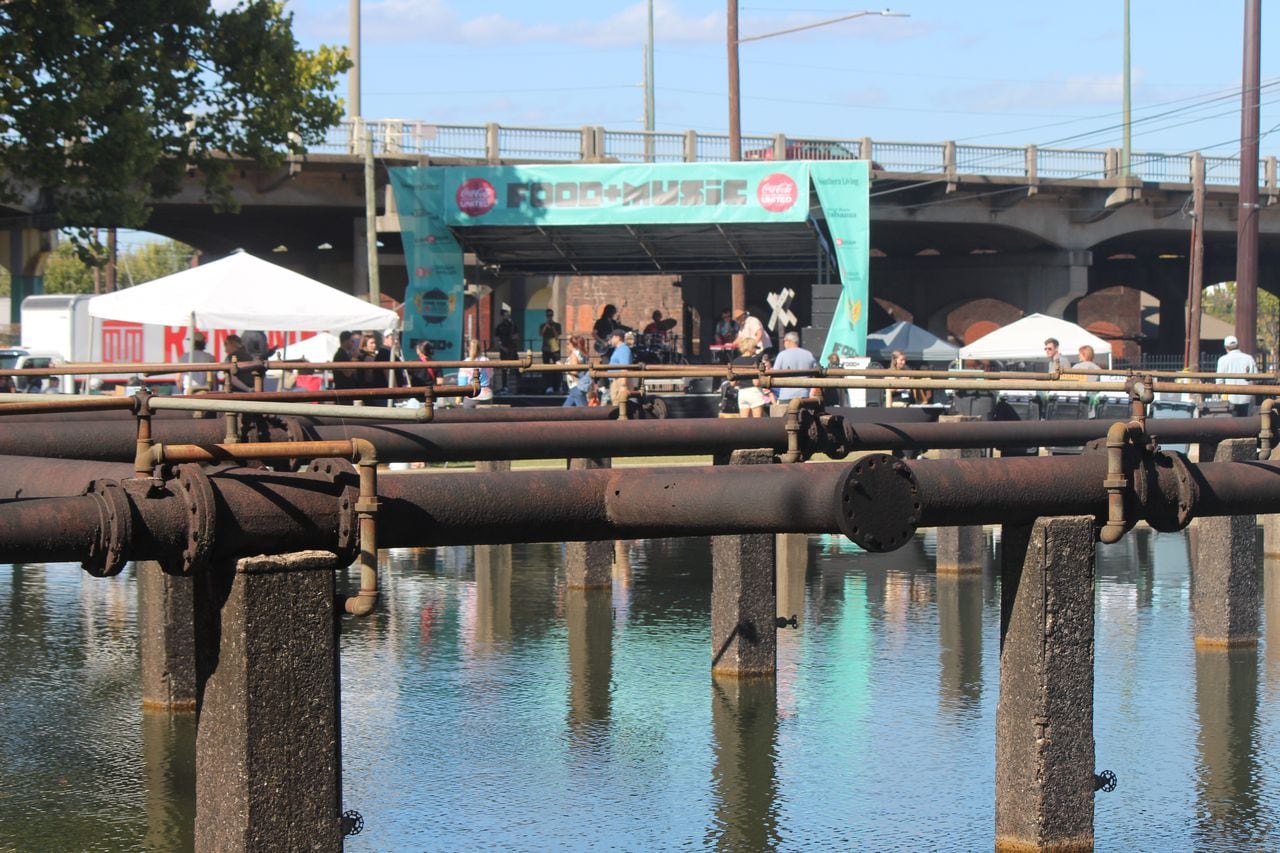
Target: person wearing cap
1235 361
197 383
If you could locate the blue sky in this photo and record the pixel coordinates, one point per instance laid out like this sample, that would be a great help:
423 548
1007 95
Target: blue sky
1003 73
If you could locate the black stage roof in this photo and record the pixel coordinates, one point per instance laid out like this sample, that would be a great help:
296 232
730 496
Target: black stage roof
639 249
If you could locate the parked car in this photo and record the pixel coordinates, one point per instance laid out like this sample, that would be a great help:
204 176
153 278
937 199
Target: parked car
19 358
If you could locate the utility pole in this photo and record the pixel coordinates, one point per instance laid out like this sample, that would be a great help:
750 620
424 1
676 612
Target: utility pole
650 118
1128 148
738 288
111 260
371 216
1247 223
353 76
1195 285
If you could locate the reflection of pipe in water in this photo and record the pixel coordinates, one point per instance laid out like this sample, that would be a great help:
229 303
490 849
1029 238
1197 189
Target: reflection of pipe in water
589 616
493 594
744 721
960 638
1227 708
169 761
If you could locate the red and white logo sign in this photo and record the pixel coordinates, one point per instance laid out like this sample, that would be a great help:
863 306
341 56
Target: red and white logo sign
777 192
476 197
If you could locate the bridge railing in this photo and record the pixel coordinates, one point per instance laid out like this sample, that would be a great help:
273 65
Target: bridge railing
500 143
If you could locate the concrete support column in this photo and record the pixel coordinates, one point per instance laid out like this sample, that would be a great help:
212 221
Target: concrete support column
268 765
961 550
1044 717
589 565
166 634
1225 592
743 632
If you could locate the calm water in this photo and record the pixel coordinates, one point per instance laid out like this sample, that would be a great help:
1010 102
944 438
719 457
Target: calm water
490 709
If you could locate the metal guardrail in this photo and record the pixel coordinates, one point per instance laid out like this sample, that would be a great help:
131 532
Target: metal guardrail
494 143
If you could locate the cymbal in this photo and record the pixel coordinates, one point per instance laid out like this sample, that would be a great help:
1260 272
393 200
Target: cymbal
667 324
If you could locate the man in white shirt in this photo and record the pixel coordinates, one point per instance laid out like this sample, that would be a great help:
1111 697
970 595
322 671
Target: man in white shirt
1235 361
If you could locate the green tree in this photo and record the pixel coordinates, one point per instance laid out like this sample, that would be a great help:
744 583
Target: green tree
106 104
66 272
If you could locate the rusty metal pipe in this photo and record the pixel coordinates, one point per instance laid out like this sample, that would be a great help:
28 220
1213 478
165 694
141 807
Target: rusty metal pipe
202 404
363 603
60 405
480 414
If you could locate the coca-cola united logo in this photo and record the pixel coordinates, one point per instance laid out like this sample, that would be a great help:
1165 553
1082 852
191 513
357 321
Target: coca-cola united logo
476 197
777 193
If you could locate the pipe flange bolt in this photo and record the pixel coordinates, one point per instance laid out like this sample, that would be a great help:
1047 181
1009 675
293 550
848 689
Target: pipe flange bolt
879 502
343 472
193 486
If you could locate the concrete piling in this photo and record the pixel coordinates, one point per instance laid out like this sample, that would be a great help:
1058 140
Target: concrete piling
167 639
268 754
589 565
744 722
1225 589
743 631
961 550
1044 716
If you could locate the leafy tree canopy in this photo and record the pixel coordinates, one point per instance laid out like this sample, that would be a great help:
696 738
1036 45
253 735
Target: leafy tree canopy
106 104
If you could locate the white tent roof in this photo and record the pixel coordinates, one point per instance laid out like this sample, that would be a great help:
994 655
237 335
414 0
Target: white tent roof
1024 339
319 348
241 292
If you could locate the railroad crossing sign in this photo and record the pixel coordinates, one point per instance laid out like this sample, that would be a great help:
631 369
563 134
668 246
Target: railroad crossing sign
781 316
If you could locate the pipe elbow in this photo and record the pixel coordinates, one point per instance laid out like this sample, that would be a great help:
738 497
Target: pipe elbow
362 604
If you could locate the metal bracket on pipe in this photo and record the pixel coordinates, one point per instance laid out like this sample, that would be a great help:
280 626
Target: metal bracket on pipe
879 502
832 436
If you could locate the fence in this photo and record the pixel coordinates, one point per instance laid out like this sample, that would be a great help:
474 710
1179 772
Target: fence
494 143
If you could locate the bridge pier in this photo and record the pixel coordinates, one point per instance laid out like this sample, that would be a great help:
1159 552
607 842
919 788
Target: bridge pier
268 749
1044 716
589 565
1225 589
25 251
744 635
166 615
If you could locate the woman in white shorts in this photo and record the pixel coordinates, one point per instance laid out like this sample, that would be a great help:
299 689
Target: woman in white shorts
751 400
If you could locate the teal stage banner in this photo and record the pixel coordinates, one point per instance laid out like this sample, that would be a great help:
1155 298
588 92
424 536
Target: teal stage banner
433 299
433 201
843 192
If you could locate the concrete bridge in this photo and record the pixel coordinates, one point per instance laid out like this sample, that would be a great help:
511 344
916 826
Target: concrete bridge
1036 228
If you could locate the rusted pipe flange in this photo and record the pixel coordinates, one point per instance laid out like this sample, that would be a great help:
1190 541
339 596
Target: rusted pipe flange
295 430
833 437
343 472
115 528
879 501
1166 491
193 486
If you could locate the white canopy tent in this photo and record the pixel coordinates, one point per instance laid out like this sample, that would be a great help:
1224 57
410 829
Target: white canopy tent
317 348
241 292
1023 340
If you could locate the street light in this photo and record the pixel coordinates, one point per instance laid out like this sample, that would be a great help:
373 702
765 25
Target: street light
739 297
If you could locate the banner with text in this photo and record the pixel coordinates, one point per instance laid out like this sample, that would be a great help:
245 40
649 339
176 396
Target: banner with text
433 300
647 194
842 188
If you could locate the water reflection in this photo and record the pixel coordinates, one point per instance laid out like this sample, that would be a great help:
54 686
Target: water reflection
589 618
960 637
1227 782
168 753
744 724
